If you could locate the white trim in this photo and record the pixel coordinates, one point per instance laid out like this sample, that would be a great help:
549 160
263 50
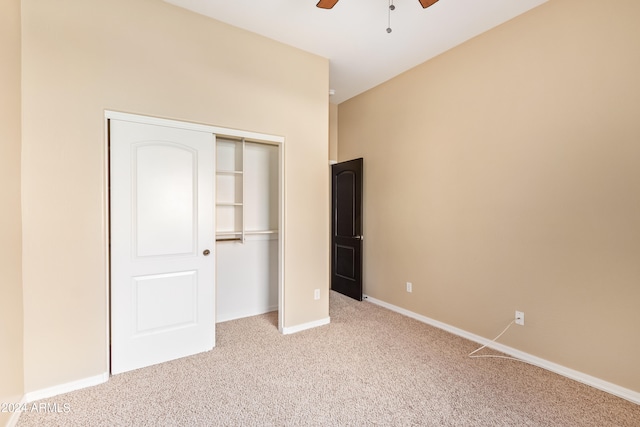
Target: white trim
616 390
242 315
106 233
305 326
281 231
254 136
15 416
45 393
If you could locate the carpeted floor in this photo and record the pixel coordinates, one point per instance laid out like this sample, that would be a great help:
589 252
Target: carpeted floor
369 367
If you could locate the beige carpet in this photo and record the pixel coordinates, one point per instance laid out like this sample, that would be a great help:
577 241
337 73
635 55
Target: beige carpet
369 367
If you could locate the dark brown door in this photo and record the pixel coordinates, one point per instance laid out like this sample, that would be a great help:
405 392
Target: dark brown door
346 228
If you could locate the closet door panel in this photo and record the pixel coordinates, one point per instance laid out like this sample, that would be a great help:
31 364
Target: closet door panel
162 289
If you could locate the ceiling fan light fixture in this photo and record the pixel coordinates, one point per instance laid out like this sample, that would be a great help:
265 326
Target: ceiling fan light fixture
328 4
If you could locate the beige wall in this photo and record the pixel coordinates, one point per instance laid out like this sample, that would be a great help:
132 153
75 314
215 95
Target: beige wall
11 383
504 175
333 132
145 56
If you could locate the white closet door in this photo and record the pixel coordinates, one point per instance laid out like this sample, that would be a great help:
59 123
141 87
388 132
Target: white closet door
162 243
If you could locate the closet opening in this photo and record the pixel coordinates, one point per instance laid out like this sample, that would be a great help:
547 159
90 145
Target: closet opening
247 227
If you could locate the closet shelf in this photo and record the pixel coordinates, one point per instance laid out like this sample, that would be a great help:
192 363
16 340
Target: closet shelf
228 239
246 232
261 232
229 172
235 190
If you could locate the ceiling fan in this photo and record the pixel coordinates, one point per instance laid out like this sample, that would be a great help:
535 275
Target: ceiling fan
328 4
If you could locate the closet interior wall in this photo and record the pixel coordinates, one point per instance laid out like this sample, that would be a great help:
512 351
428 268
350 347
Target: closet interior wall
246 228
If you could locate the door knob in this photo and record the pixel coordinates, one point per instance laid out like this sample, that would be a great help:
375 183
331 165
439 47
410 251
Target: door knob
206 252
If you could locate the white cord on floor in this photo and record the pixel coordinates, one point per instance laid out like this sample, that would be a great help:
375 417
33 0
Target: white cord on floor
492 341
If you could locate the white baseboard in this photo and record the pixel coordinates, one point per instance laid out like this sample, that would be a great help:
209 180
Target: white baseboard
48 392
15 416
305 326
241 315
616 390
45 393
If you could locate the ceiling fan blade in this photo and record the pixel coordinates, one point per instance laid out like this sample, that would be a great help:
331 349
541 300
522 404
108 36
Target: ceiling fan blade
426 3
328 4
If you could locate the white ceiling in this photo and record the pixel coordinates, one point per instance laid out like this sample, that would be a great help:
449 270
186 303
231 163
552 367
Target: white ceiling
353 34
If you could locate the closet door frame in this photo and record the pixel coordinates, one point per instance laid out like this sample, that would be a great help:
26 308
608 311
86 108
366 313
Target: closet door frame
217 132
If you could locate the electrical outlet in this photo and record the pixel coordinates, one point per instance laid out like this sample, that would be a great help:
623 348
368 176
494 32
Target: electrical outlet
316 294
520 318
409 287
